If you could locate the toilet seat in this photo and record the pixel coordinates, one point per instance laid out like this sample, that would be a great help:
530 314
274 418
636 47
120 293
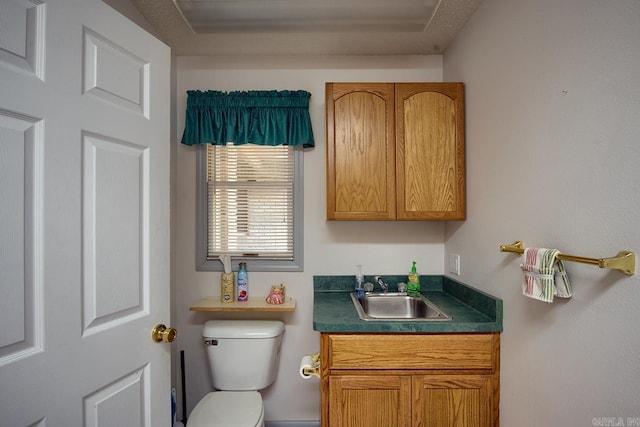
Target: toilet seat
228 409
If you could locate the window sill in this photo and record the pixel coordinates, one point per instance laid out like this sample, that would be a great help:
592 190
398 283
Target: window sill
254 304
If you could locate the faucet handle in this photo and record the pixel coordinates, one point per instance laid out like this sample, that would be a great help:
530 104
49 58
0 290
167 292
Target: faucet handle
368 287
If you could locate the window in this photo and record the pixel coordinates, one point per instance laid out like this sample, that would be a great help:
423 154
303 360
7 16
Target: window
250 206
249 171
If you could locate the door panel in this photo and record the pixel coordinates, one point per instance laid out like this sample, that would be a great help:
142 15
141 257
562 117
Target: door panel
114 74
22 36
84 223
115 218
21 285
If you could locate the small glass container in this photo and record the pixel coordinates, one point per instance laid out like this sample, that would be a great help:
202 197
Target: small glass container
402 287
359 289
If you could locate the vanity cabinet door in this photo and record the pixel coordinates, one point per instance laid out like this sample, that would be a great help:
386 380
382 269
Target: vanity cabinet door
453 401
370 401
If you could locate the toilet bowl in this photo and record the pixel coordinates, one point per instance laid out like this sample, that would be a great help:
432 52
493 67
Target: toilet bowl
228 409
243 356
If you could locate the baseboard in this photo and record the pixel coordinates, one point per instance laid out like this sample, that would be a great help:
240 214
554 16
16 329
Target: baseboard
278 424
292 424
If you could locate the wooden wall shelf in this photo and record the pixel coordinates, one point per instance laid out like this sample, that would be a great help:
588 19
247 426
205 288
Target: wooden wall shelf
254 304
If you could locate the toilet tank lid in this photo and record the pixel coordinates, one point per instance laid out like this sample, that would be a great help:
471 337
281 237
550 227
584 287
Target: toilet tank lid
242 328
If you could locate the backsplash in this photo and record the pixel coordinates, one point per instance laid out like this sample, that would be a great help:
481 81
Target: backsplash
344 283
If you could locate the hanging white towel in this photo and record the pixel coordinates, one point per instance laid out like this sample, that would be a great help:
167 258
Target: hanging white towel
544 275
561 284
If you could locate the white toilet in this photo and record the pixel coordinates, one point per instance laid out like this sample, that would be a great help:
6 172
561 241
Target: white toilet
244 357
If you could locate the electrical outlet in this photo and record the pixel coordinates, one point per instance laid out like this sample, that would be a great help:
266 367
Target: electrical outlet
454 264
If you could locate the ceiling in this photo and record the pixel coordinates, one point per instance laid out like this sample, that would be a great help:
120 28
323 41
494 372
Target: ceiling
307 27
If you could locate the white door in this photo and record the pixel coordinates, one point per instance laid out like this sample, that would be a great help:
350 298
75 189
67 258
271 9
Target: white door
84 217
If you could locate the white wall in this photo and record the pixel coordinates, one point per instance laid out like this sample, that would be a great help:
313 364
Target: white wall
329 247
553 145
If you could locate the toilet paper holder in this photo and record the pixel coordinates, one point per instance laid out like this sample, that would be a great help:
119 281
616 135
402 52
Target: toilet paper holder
314 368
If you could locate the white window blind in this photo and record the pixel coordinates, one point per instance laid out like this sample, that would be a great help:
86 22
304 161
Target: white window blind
250 191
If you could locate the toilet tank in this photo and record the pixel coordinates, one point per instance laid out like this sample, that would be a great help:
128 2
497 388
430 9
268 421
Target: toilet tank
243 354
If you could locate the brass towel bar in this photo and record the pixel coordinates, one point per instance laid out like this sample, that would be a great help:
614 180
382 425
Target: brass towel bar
625 261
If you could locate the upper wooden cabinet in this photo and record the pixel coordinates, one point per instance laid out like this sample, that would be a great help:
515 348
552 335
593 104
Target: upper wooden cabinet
395 151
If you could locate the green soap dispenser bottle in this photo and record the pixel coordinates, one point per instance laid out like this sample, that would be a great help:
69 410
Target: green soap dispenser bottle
413 284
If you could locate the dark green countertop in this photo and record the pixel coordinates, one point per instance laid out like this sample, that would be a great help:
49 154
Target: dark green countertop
471 309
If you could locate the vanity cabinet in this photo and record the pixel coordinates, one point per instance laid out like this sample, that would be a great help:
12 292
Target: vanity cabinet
395 151
385 380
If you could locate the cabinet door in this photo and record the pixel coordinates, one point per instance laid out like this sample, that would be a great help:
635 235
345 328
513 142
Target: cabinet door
452 401
430 162
360 151
369 401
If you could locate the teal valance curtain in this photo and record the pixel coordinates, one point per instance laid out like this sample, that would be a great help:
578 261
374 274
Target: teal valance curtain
256 117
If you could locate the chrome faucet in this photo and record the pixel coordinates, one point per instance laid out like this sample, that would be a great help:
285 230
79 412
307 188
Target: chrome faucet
382 283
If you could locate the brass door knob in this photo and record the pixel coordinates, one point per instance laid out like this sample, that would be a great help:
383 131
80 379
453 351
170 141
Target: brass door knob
161 333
